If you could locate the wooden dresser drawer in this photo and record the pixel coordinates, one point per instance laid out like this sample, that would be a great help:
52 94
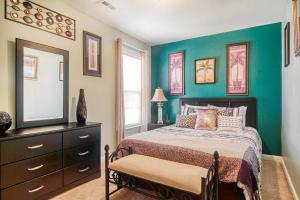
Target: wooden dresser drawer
21 171
19 149
80 154
35 188
81 137
81 170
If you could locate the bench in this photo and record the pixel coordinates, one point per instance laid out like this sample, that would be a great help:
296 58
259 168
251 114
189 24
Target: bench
163 179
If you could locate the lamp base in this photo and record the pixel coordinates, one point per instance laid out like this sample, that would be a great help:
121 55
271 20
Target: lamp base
159 117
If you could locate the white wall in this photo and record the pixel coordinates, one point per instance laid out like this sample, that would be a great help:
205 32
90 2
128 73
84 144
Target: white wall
100 92
291 109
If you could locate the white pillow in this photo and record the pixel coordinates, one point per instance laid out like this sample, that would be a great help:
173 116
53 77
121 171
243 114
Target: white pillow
190 109
182 110
241 112
229 123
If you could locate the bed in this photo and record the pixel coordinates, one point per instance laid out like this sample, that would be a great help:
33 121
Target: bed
240 152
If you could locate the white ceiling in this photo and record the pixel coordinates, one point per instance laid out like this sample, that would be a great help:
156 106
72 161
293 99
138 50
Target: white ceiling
163 21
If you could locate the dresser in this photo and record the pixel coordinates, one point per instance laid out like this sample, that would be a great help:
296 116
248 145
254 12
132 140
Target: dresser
38 163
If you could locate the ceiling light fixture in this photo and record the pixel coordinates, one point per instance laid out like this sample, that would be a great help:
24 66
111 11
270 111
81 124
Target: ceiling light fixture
107 4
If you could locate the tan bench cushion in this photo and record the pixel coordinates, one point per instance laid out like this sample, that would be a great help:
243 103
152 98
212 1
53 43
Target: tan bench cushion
173 174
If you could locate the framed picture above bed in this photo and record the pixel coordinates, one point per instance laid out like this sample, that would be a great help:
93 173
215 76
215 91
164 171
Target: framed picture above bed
205 71
237 69
176 73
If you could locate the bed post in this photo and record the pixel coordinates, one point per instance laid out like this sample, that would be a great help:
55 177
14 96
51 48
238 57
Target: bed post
130 151
106 172
216 177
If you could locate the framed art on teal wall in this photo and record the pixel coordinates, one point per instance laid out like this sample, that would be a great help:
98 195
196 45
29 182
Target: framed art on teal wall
205 71
176 73
237 69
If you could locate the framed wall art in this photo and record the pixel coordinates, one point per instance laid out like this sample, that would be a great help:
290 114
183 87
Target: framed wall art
287 44
34 15
92 54
205 71
61 71
30 67
176 73
237 69
296 10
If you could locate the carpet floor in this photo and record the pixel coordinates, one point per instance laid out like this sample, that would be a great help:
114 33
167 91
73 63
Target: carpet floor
274 187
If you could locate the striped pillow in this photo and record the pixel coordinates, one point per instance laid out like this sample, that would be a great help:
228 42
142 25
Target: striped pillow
229 123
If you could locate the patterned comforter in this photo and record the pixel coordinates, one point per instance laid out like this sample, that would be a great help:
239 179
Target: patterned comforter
240 152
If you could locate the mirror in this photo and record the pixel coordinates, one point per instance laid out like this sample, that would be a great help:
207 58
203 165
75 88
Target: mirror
42 84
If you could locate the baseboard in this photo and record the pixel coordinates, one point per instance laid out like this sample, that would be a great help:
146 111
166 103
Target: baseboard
288 177
286 172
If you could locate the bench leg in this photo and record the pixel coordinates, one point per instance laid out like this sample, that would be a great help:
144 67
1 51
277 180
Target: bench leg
106 172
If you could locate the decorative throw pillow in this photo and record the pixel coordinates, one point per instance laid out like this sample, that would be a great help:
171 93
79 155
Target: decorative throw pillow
240 112
206 119
221 111
235 112
190 109
186 121
229 123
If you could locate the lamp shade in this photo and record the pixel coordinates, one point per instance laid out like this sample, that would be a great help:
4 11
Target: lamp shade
159 95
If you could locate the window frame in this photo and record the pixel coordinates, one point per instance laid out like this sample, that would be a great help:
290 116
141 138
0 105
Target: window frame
137 54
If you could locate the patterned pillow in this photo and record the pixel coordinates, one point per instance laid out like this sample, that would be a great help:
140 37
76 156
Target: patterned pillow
186 121
221 111
240 112
235 112
229 123
190 109
206 119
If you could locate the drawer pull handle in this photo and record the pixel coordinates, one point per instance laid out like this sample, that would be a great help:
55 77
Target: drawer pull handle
83 136
83 153
35 147
36 189
35 168
84 170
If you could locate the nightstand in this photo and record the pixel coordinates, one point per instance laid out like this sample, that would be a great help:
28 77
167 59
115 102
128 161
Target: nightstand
152 126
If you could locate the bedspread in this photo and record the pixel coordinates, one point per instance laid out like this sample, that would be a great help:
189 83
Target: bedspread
240 152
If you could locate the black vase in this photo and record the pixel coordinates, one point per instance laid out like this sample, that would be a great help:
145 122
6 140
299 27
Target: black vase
5 121
81 112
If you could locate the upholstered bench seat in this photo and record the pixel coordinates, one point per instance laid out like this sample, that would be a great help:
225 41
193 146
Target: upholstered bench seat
177 175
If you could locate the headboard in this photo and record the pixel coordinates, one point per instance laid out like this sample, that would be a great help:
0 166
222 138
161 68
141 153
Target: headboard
251 116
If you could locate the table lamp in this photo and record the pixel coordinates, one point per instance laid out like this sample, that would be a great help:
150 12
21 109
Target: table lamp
159 97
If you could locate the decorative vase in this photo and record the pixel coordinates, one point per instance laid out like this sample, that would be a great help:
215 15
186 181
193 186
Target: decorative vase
5 121
81 112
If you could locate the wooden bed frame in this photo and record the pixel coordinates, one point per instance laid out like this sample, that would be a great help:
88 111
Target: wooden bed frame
251 116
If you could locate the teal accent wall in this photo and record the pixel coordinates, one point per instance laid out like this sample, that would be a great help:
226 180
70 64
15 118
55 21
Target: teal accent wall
265 61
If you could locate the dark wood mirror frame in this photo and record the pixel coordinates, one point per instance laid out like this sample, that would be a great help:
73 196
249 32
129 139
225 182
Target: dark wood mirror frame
20 123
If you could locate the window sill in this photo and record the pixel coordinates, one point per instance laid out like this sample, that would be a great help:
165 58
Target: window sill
133 126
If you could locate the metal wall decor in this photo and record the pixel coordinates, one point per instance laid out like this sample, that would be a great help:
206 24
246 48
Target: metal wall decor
34 15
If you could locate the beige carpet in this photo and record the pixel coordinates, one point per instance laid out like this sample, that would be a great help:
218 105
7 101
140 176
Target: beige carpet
274 184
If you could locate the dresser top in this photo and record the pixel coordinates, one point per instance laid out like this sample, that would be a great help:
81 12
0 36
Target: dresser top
16 133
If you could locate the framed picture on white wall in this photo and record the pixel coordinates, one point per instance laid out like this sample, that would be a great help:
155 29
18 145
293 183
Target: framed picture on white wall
296 9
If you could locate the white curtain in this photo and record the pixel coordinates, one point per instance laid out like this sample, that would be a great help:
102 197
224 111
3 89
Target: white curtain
120 117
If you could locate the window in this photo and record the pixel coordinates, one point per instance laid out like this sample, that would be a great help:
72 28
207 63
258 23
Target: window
132 77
